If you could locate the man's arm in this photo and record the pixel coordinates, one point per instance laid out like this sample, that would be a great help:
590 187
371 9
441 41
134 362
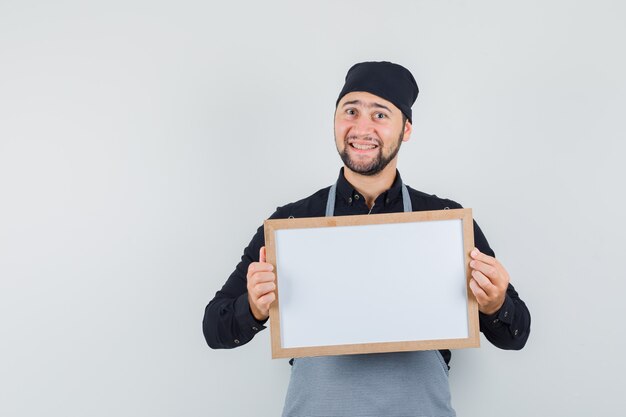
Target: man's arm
509 327
228 321
504 317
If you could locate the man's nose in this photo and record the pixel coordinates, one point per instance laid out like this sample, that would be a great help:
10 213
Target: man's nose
362 126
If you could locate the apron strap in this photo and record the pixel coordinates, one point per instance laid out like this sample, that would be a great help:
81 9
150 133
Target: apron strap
406 200
330 203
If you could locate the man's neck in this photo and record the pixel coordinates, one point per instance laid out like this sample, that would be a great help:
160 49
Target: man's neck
371 186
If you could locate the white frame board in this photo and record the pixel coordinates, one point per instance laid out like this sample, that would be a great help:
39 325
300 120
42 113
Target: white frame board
369 284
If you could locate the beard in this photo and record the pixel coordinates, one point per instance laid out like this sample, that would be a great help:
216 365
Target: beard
375 165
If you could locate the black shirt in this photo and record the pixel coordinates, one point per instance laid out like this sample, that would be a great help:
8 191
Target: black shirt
228 321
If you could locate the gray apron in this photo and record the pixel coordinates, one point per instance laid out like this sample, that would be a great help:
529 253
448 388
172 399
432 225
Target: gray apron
397 384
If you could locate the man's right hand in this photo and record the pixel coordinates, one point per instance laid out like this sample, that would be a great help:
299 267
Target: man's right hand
261 286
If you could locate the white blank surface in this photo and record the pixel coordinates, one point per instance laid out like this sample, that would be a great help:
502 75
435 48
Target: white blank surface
371 283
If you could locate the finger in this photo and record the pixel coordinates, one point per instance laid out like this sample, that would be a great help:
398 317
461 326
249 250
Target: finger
261 277
485 284
262 254
259 267
266 300
264 288
478 292
490 271
478 255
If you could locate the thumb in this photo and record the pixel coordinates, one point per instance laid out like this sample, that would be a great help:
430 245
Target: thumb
262 254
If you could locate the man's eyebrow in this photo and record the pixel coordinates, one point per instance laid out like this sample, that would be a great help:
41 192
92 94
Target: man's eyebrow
358 102
380 106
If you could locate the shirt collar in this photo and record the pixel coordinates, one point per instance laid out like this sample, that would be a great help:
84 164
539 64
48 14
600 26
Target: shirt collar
346 191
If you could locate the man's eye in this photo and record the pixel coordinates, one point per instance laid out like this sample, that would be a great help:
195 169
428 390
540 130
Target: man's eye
351 112
380 115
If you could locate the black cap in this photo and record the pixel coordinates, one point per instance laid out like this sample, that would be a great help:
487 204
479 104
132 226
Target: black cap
384 79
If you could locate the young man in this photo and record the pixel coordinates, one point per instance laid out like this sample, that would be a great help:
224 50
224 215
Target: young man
372 119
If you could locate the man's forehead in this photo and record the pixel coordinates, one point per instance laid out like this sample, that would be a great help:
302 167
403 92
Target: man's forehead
365 99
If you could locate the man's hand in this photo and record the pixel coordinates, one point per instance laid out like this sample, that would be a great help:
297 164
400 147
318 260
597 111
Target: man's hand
489 281
261 287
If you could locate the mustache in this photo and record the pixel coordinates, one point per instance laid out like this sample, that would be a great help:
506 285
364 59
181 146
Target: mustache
368 138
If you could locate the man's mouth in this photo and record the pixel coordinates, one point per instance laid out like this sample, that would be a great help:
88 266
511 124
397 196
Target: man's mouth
362 146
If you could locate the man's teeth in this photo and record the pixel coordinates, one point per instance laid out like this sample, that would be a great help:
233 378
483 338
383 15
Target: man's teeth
362 147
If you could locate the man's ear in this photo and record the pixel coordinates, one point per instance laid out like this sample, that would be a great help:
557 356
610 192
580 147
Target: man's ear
408 129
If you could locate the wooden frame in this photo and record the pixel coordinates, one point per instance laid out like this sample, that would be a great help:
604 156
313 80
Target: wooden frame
275 226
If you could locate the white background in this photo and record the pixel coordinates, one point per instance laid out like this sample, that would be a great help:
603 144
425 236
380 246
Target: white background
143 142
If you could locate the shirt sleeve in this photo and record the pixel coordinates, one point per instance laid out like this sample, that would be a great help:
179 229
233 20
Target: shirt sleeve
228 321
509 327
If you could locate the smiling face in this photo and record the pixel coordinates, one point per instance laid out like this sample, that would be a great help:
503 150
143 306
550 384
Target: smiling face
368 132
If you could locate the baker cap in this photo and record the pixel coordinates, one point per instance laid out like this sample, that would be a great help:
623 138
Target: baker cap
384 79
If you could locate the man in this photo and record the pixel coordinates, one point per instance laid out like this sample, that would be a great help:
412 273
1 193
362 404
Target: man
372 119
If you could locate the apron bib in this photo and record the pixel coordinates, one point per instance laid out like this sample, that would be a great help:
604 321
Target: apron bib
396 384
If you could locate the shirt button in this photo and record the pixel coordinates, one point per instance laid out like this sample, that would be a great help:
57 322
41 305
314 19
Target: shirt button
496 321
506 314
255 329
515 333
350 200
356 196
236 341
387 200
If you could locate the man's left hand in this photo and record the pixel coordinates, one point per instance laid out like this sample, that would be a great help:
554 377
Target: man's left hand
489 281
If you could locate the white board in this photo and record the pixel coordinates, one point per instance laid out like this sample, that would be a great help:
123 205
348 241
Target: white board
372 283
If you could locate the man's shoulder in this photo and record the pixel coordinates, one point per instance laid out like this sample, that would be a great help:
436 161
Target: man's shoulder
424 201
311 206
